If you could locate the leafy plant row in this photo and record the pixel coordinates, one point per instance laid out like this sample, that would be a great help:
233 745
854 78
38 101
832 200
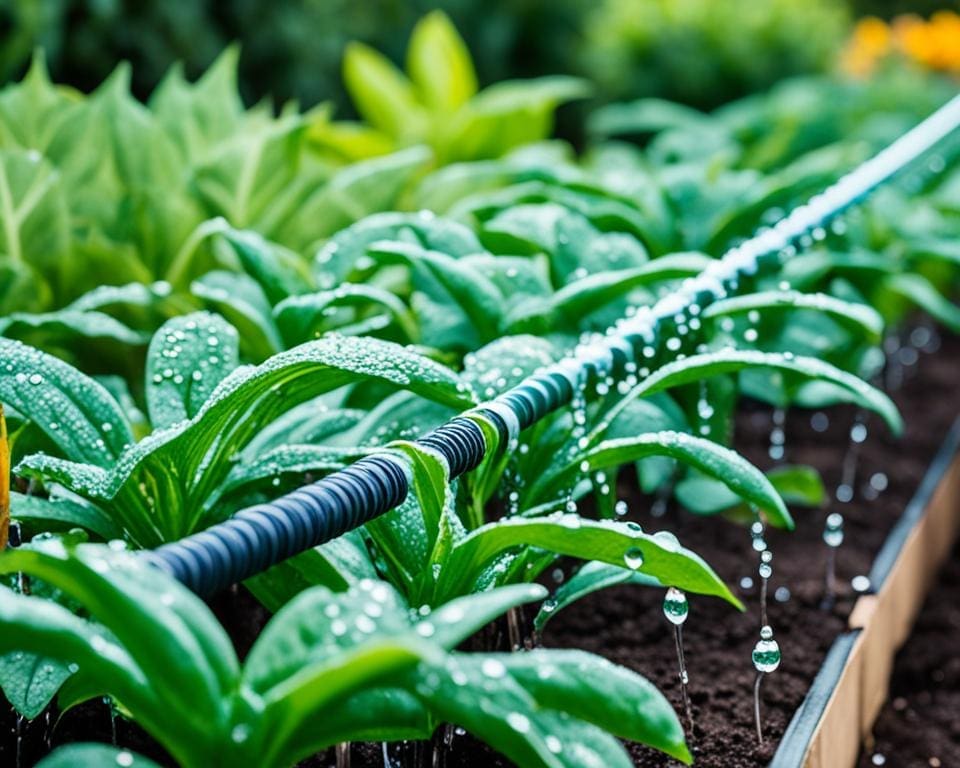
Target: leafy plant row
295 333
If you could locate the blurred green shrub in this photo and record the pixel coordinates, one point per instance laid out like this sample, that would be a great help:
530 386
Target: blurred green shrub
701 52
707 52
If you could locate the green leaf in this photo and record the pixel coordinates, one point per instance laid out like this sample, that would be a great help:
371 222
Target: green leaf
30 681
727 466
920 291
799 486
356 191
280 273
439 63
338 257
860 317
604 694
605 540
301 318
240 299
697 367
381 93
37 513
93 756
316 625
34 221
592 577
74 411
449 284
199 116
576 300
188 357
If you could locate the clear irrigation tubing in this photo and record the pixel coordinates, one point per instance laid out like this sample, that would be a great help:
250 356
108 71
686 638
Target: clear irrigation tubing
258 537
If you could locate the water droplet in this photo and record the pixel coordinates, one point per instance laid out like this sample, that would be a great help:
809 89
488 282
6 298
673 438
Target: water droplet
667 541
782 595
426 629
766 653
35 378
553 744
519 722
493 668
240 733
124 758
833 530
860 583
633 557
675 606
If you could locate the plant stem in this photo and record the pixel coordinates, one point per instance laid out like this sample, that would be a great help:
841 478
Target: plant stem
683 680
342 751
756 707
514 635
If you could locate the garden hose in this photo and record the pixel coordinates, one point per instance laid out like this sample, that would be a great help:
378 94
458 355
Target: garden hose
258 537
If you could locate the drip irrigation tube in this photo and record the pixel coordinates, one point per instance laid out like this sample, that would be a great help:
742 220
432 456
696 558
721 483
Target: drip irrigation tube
256 538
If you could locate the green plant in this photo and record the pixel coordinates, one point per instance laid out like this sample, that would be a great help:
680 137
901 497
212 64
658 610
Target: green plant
328 667
437 102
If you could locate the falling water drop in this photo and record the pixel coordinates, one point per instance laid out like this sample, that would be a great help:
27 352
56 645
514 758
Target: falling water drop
766 571
778 435
676 608
766 659
833 538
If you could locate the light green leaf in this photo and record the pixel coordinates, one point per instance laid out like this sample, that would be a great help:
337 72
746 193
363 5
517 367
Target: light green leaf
74 411
439 63
188 357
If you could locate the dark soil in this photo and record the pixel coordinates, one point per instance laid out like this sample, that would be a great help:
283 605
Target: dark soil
626 624
919 724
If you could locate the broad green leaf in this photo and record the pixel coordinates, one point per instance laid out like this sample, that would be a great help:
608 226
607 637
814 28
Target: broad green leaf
447 283
576 300
301 318
240 299
457 620
659 555
198 116
439 63
361 189
34 220
316 625
697 367
188 357
481 696
280 273
727 466
69 327
381 93
339 257
74 411
45 514
919 291
798 485
604 694
30 681
591 578
857 316
94 756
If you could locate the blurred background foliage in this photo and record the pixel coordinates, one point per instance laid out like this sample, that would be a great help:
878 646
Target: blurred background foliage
701 52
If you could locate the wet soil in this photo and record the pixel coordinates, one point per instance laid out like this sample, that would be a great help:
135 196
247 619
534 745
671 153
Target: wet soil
625 624
919 724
